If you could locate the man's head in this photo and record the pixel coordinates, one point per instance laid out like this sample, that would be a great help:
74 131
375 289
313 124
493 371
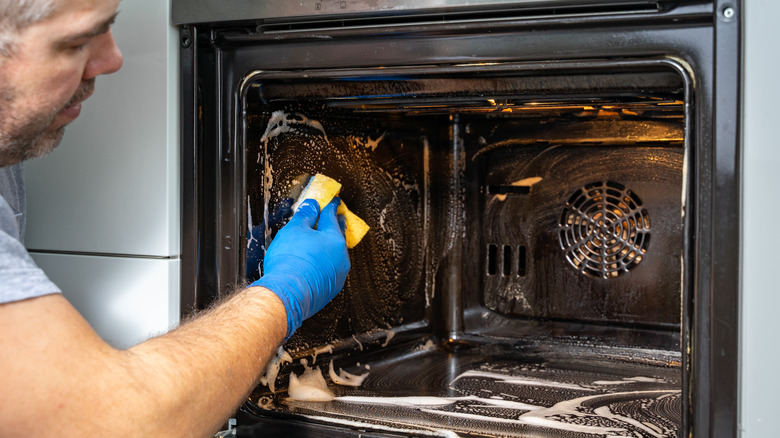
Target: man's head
51 51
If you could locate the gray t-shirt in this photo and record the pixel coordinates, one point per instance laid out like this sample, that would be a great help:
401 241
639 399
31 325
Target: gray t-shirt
20 277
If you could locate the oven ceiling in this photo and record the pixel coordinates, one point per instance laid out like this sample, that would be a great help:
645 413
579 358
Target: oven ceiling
215 11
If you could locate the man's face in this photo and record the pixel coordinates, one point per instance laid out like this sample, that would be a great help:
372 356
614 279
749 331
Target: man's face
51 71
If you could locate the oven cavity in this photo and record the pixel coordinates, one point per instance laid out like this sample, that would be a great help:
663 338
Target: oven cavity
508 283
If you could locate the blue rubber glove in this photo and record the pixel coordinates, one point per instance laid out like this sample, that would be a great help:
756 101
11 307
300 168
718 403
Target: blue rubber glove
256 237
305 267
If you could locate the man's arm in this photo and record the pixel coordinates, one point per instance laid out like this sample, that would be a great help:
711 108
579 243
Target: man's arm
58 378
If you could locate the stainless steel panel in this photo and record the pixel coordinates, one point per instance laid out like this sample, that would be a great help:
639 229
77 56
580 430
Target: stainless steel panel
201 11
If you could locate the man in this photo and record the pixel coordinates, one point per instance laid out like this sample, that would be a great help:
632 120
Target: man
57 377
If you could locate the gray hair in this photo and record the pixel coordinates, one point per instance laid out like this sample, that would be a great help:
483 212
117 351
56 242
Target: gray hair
15 15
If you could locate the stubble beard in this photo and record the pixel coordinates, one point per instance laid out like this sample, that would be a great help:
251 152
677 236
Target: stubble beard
29 135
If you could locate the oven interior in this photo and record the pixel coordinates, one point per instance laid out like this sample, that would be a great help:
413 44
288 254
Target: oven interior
523 274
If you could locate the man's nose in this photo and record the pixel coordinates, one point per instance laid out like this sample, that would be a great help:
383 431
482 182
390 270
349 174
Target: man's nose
106 57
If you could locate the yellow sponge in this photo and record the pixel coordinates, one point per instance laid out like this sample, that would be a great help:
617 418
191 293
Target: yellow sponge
356 227
323 189
320 188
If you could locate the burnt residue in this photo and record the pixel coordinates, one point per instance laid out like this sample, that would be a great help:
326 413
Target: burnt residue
467 205
485 93
634 271
382 182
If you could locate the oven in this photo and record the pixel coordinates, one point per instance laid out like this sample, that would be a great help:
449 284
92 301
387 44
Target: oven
552 193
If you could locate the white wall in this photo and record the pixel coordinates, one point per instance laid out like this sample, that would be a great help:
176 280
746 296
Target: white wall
760 355
103 208
126 300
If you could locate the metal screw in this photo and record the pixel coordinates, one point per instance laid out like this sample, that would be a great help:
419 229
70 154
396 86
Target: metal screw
186 41
728 12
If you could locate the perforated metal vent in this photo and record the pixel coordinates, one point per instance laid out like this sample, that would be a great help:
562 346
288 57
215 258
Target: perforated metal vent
604 231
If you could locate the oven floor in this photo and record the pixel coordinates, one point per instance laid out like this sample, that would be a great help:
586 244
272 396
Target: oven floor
488 390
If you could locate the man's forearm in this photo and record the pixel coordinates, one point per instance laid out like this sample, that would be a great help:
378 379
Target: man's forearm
204 369
184 383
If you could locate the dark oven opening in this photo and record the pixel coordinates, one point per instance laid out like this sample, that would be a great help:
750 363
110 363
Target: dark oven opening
524 269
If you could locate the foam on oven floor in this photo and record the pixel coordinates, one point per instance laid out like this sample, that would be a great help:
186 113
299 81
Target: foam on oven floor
486 392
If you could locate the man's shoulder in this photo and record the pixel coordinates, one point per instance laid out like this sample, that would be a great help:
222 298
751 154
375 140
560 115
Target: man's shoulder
20 277
12 201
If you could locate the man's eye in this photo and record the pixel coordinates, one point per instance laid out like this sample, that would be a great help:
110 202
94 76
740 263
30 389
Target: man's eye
78 45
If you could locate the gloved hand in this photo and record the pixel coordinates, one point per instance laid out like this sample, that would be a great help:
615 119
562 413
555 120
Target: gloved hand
256 237
305 267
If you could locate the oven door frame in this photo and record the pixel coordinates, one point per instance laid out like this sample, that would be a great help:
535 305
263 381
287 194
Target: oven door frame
705 37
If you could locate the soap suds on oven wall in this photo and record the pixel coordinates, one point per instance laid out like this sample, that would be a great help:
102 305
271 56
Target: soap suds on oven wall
379 184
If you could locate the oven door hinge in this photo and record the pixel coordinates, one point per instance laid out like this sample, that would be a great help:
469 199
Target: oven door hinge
230 432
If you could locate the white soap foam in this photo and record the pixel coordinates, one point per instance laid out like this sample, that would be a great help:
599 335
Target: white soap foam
272 369
281 122
310 386
344 378
430 401
364 425
326 349
629 380
374 143
520 380
249 221
605 412
389 335
426 346
552 423
360 345
549 417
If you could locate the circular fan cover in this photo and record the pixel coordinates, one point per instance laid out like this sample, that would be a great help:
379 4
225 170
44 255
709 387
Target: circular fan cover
604 231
